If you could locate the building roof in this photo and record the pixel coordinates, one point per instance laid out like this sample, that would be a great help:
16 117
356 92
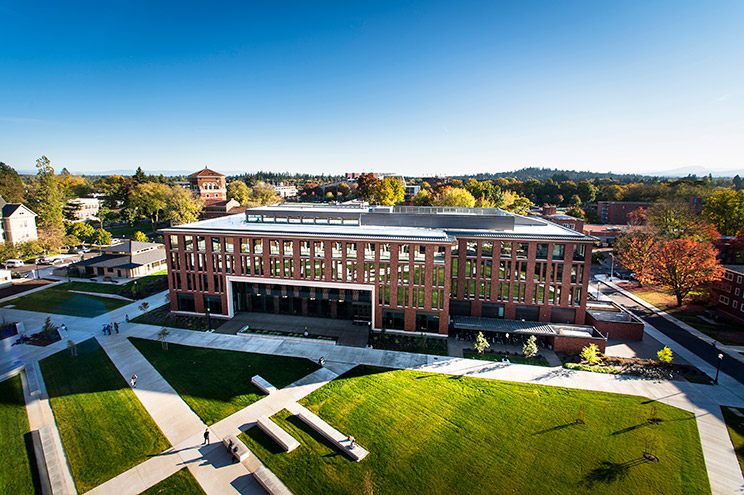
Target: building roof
130 247
503 326
123 261
435 224
10 209
206 172
735 268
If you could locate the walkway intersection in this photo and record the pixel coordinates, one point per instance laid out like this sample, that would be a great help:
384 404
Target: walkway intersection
211 465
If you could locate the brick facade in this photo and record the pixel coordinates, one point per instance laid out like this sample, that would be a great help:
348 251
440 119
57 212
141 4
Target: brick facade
728 295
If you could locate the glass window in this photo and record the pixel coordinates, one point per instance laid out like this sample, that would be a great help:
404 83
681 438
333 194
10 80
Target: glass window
440 254
522 248
559 251
319 249
404 252
487 248
506 249
336 250
294 219
369 251
308 219
472 248
257 246
351 250
456 249
254 218
321 220
351 221
287 249
216 244
579 253
334 221
274 247
281 219
173 242
542 252
229 248
201 243
420 254
304 248
384 252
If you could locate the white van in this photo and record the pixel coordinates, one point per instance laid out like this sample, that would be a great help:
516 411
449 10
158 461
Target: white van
13 263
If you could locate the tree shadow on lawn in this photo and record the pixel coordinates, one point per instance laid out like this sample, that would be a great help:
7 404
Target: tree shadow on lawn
609 472
555 428
639 425
82 305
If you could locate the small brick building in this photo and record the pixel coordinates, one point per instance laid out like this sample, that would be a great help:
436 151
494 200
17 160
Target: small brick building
209 185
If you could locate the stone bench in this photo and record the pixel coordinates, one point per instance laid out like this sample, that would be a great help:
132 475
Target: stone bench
262 384
236 448
270 482
329 432
284 439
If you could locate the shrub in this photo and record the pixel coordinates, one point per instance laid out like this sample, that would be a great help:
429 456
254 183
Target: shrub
610 370
591 354
481 344
530 347
665 355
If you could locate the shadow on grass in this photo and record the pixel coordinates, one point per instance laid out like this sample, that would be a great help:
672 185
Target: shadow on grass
28 440
555 428
609 472
635 427
365 370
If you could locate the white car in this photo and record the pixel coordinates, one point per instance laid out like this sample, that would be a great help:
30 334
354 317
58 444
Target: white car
13 263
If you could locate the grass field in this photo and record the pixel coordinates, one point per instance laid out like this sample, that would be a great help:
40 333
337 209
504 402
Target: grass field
111 288
217 383
60 301
736 432
15 470
534 361
104 427
438 434
181 483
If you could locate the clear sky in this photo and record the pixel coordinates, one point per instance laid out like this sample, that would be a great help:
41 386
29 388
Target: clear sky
417 87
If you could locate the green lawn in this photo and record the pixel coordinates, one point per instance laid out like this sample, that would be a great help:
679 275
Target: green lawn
60 301
15 470
736 432
438 434
217 383
535 361
104 427
181 483
111 288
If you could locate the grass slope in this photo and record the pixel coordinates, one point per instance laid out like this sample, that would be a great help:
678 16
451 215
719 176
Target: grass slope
735 426
181 483
217 383
438 434
54 300
15 470
104 427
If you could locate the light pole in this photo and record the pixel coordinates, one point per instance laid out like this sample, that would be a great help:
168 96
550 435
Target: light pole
209 319
718 369
612 266
506 343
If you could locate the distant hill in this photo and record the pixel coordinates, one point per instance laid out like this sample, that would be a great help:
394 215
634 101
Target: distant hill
543 174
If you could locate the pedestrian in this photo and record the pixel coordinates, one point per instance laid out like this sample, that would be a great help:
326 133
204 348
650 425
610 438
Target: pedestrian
116 326
352 442
306 334
126 317
133 381
206 437
104 329
321 361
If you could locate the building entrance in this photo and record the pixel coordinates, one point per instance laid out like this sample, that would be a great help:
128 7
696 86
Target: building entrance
346 304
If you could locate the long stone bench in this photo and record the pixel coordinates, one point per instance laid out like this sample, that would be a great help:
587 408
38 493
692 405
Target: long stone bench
236 448
356 452
284 439
262 384
270 482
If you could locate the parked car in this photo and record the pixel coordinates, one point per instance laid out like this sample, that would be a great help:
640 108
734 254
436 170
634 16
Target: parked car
21 275
13 263
43 260
58 260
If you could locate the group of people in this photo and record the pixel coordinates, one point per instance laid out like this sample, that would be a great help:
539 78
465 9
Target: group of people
108 328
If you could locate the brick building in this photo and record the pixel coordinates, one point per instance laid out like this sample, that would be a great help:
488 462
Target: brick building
404 268
616 212
550 212
209 185
729 292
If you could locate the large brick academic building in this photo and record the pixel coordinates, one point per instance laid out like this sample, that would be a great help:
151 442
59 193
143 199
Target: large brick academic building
405 268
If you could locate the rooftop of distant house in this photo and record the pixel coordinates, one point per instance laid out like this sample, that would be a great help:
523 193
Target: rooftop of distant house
206 172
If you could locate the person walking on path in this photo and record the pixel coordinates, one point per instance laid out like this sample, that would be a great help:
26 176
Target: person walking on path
133 381
116 326
206 437
126 317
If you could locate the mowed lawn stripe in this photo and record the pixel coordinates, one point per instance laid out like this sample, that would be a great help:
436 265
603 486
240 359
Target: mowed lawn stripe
16 476
104 427
438 434
217 383
62 302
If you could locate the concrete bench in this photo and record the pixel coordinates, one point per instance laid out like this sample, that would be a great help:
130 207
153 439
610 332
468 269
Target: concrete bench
262 384
284 439
332 434
270 482
236 448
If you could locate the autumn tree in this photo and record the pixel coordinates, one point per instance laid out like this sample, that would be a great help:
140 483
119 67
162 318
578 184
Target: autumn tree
454 197
681 265
139 237
182 206
101 238
635 251
367 186
480 344
725 209
239 191
149 199
389 191
422 198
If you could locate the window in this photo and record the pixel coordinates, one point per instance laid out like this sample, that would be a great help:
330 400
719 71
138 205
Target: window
440 254
729 276
369 251
351 250
274 247
257 246
522 249
404 252
201 243
738 279
579 253
723 299
559 251
245 245
229 248
336 250
542 252
471 248
384 252
287 248
304 248
506 249
735 304
420 253
319 249
174 242
216 245
737 291
487 248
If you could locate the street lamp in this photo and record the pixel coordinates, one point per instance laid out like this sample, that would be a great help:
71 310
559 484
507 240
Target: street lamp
506 343
718 369
612 266
209 319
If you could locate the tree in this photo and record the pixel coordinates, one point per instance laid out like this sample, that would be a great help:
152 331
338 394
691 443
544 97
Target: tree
586 191
149 199
665 355
81 230
591 354
182 206
389 191
515 203
681 265
140 176
529 349
238 191
162 336
367 185
612 193
46 197
139 237
51 237
576 213
264 194
104 213
725 209
454 197
101 238
575 200
481 344
422 198
635 251
671 219
12 189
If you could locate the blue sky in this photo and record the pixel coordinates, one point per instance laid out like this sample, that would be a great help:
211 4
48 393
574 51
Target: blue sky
415 87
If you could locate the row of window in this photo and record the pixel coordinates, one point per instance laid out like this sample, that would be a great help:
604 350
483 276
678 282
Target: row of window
402 297
516 292
519 250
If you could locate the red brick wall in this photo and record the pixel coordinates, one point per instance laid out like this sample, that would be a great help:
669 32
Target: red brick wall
617 330
574 345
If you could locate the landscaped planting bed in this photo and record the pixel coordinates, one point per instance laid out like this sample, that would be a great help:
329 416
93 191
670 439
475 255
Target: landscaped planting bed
104 427
514 359
217 383
162 316
440 434
409 343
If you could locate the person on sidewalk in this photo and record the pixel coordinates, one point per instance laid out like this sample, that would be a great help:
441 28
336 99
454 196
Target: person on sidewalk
133 381
206 437
116 326
126 317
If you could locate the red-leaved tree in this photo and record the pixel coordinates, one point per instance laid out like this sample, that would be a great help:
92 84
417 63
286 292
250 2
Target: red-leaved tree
684 264
635 251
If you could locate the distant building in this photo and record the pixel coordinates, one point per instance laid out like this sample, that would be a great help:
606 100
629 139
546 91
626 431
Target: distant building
550 212
729 292
18 223
616 212
222 208
129 259
352 175
607 233
209 185
84 208
411 191
285 190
